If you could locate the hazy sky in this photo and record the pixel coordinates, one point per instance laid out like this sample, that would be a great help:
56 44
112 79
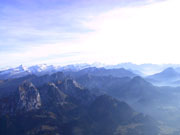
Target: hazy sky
78 31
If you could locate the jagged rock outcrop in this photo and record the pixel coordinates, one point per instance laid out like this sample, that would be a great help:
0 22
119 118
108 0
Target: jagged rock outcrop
51 95
29 97
74 90
25 98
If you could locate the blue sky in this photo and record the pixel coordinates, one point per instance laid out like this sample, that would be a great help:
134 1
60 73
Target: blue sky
78 31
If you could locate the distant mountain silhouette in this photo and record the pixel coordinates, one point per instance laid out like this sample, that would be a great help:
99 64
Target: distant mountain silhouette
168 73
102 72
79 69
167 77
123 88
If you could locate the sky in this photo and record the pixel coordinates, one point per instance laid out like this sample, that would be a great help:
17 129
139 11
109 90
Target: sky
62 32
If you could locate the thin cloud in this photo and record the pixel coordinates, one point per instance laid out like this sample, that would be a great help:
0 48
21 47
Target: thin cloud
32 34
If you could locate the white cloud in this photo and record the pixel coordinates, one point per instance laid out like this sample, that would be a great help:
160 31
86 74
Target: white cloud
143 34
138 34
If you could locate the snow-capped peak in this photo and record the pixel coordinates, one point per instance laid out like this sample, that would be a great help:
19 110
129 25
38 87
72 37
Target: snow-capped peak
21 68
41 68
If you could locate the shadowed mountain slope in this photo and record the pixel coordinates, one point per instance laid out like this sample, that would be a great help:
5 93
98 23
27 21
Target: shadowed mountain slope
59 105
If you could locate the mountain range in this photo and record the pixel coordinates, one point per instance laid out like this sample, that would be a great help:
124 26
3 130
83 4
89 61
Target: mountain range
43 100
61 106
39 70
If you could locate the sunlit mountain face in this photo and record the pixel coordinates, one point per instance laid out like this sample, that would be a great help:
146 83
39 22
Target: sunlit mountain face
88 67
